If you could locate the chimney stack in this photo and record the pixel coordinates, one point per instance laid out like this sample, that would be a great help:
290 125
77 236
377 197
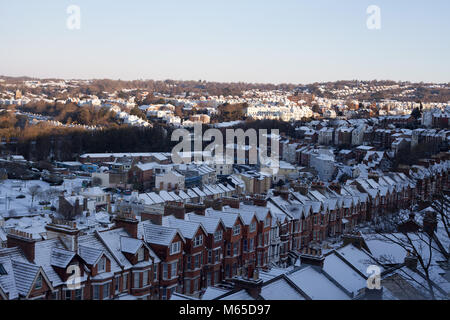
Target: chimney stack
24 241
259 200
232 202
251 285
66 230
129 222
356 239
312 257
175 208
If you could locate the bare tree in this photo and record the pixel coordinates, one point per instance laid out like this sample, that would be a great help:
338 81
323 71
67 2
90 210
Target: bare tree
33 191
422 244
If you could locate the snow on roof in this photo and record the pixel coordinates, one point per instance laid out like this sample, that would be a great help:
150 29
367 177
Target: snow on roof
24 275
130 245
280 290
147 166
229 219
356 257
61 258
165 196
316 285
183 195
187 228
94 241
160 235
240 295
209 223
155 197
199 192
90 255
213 292
346 276
191 194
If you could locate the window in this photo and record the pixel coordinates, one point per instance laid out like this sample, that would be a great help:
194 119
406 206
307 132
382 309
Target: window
106 292
79 294
245 245
228 249
125 282
218 236
218 253
155 272
101 267
209 256
236 230
141 254
251 245
68 295
253 226
196 261
136 280
267 222
198 240
145 278
38 282
175 247
116 284
96 292
165 271
235 249
173 270
188 263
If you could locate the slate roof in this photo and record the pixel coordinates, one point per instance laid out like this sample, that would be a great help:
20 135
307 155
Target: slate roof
61 258
160 235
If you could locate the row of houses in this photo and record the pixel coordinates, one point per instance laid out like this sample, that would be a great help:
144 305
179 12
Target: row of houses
188 247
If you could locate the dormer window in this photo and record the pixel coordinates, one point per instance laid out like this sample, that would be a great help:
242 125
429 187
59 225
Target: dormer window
236 230
267 221
198 240
101 265
218 236
140 254
175 247
253 226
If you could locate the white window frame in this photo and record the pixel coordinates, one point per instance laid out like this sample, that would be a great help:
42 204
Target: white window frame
198 240
101 266
218 235
175 247
173 269
136 279
145 279
236 229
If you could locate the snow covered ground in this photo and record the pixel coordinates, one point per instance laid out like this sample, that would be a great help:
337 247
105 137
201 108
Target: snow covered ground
10 205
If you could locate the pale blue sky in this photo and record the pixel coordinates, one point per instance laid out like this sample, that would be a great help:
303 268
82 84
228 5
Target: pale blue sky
235 40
